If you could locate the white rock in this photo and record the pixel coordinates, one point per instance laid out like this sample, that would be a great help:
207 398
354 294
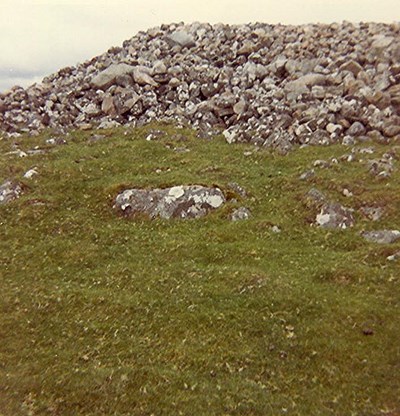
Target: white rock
30 173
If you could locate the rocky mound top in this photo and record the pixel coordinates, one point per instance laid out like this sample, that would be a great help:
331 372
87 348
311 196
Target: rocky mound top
271 85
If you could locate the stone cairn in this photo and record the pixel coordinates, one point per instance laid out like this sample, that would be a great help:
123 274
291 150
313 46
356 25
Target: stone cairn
270 85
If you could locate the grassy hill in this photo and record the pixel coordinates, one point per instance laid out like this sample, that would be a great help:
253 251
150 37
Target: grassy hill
106 315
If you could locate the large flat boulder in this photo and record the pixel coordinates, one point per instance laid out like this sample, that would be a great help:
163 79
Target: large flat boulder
192 201
108 77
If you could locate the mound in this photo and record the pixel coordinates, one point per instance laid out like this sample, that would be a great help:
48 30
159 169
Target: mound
271 85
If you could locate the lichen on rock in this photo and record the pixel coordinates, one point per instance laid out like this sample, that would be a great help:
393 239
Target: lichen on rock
184 201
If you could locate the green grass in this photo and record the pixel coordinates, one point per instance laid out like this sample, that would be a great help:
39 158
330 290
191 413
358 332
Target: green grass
103 315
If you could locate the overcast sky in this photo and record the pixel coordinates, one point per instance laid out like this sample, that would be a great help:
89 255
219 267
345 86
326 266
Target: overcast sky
38 37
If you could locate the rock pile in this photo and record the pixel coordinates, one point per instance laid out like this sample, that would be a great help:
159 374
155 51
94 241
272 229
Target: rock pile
271 85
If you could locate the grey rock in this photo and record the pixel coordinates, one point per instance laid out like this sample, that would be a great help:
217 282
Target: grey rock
372 213
9 191
57 141
311 80
315 197
92 110
319 163
334 215
383 167
394 257
240 107
240 214
192 201
108 106
380 44
377 137
181 38
391 127
295 89
334 128
381 236
307 175
159 68
231 135
348 141
108 77
356 129
352 66
30 173
142 77
318 92
235 187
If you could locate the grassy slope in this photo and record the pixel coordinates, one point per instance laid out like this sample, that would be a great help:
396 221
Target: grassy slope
101 315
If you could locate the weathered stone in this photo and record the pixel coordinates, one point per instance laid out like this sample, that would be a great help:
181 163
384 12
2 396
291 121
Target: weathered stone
377 137
239 214
108 106
352 66
235 187
159 68
382 168
334 128
391 127
108 77
181 38
318 92
394 92
394 257
381 236
9 191
380 44
380 99
231 135
295 89
307 175
56 141
92 110
315 197
142 77
30 173
240 107
334 215
192 201
372 213
356 129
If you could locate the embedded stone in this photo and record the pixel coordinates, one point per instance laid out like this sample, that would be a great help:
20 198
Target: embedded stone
9 191
334 215
240 214
193 201
381 236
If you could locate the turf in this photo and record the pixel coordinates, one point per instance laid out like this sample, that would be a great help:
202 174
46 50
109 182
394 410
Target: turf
106 315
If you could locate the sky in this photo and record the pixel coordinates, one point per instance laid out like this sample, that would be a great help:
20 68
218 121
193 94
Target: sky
38 37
